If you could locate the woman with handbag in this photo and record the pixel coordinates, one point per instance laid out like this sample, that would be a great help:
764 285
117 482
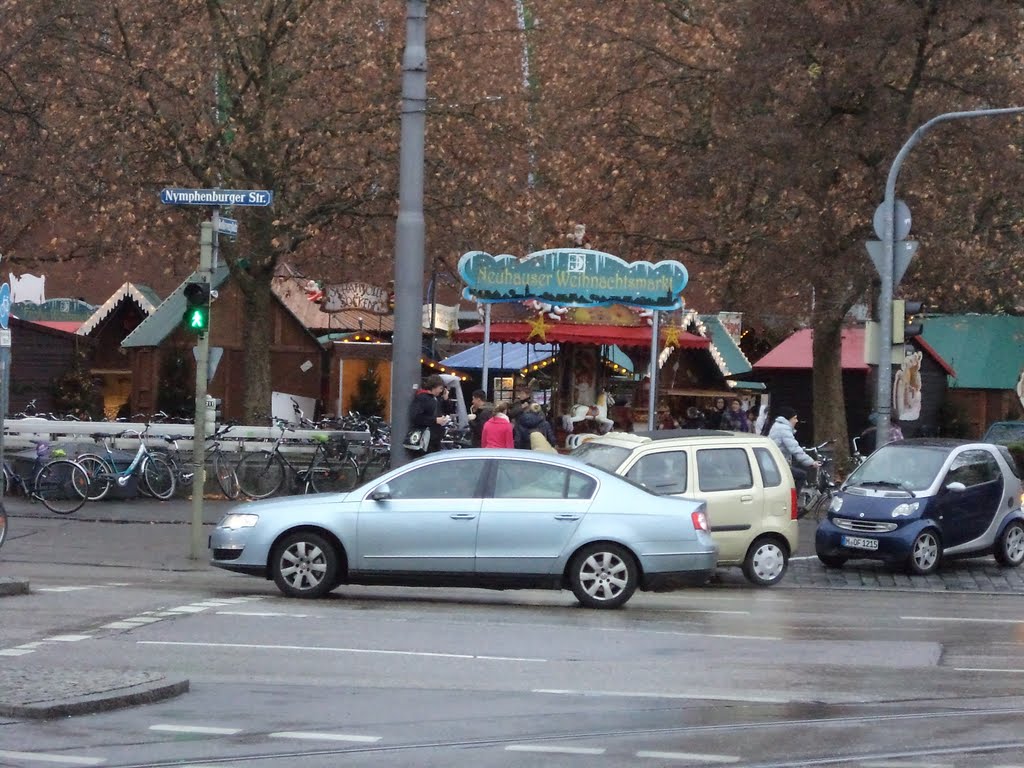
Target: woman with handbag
425 414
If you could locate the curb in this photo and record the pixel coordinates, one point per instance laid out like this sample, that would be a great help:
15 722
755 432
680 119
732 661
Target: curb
10 587
101 702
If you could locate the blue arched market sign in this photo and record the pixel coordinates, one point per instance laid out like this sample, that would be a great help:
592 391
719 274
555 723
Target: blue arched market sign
573 277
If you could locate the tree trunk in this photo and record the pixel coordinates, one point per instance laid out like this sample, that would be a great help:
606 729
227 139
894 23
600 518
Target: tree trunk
829 401
259 335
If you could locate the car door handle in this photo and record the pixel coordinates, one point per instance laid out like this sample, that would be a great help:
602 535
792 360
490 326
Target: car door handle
463 516
746 499
567 517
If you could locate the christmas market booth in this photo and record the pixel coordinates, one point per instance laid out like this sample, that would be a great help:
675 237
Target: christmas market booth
588 306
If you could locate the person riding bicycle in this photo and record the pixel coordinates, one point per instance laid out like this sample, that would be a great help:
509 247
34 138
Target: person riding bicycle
783 433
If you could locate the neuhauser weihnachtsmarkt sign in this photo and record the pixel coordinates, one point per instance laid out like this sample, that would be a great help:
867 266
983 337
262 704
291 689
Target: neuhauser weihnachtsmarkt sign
573 277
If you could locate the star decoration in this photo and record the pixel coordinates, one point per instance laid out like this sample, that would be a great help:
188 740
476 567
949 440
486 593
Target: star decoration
672 336
538 329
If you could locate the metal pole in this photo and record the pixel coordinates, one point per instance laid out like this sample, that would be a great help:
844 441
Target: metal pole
883 391
487 349
652 394
409 231
207 246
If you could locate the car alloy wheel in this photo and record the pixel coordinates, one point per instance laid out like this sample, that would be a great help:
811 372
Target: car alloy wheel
765 563
304 564
925 553
603 575
1009 551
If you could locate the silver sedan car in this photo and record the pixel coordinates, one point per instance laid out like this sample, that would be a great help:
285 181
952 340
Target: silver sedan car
496 519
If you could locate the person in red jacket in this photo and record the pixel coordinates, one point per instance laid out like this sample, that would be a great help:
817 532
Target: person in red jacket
497 432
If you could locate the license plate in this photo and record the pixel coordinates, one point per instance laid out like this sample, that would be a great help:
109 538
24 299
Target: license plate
858 542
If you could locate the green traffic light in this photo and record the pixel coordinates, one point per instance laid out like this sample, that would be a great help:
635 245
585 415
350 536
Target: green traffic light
197 320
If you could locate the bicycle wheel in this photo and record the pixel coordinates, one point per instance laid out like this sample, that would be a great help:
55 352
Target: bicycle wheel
158 477
377 465
333 475
99 474
63 486
227 479
821 506
3 524
260 474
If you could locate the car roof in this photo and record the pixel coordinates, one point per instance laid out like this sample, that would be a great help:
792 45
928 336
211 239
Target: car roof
632 440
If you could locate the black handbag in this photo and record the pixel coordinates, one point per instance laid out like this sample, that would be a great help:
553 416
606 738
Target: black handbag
417 440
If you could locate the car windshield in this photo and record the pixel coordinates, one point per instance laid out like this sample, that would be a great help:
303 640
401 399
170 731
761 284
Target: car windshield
601 455
900 466
1005 433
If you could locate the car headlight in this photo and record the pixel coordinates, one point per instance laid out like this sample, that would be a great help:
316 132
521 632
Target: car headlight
837 504
905 509
235 521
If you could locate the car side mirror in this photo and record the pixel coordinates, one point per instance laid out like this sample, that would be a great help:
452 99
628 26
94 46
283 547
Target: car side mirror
956 487
381 493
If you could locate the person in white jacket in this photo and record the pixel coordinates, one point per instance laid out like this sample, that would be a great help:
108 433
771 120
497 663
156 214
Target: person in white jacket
783 433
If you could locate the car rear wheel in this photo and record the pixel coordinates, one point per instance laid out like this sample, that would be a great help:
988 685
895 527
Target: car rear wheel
832 561
1009 551
766 561
603 575
925 553
305 564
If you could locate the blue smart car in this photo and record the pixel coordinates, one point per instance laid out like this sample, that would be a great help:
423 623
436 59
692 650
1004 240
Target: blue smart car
915 502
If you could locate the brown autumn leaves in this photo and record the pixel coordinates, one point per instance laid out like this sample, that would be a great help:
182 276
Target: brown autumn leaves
749 139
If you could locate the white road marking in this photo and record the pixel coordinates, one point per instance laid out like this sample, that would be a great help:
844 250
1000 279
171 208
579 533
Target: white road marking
67 638
30 646
719 636
267 614
901 764
14 652
188 609
989 669
120 625
693 757
43 757
253 646
963 619
66 589
554 750
685 696
208 730
145 619
314 736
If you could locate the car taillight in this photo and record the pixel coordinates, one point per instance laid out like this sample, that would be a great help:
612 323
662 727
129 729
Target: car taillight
793 515
700 520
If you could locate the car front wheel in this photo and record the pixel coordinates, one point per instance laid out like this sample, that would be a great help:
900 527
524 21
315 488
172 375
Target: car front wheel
765 563
603 576
305 564
925 553
1009 551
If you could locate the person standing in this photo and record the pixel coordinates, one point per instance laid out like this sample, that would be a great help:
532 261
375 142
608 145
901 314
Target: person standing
523 400
783 434
426 412
497 430
480 412
717 414
735 418
529 421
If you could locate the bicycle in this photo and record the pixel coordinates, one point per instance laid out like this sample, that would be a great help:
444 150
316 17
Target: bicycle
155 472
3 524
61 484
330 468
815 498
184 470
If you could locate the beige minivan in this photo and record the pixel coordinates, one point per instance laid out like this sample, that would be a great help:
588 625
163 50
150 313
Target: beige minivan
744 480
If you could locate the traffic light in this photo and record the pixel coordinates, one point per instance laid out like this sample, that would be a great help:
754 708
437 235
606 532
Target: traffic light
197 308
906 320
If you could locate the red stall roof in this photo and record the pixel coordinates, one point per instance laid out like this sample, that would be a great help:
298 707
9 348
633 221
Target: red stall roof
576 333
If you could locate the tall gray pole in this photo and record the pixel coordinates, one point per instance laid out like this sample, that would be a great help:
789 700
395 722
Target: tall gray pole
652 394
206 246
883 391
409 231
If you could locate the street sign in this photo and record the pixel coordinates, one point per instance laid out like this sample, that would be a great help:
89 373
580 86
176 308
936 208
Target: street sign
215 354
900 224
5 337
246 197
5 305
227 226
902 252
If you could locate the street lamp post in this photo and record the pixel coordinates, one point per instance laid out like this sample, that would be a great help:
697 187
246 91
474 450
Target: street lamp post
409 231
883 391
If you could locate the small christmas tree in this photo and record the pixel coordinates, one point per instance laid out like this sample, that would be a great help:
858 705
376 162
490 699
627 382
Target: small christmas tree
367 399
